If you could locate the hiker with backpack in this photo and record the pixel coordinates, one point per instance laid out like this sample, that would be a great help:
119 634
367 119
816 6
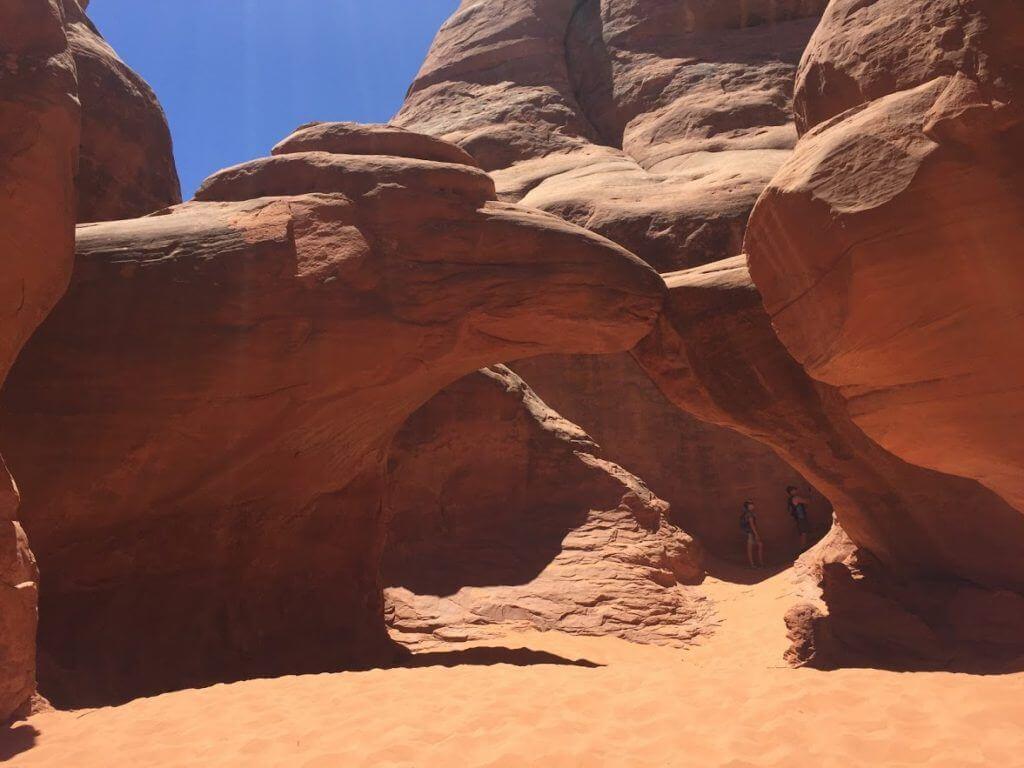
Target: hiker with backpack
748 524
798 511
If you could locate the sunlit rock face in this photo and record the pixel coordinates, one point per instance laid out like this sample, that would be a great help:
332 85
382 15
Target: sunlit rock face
39 137
504 516
886 248
226 377
654 122
126 164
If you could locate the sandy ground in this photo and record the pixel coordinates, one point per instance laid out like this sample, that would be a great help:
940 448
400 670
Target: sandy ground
555 700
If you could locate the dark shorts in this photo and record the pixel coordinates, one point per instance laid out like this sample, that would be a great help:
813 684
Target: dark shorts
803 525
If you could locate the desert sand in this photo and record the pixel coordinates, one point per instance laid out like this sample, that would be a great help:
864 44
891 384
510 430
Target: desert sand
549 699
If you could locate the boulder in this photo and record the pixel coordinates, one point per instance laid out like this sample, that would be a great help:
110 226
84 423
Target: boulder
715 354
886 247
39 137
504 516
226 377
126 166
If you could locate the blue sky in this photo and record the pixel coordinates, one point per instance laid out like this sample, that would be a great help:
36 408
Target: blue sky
236 76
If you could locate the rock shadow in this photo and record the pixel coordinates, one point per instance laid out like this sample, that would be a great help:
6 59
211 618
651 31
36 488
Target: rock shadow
16 739
486 656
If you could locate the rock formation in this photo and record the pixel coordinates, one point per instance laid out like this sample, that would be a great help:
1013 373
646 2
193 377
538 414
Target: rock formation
715 354
39 135
503 516
656 124
886 248
705 471
867 615
226 376
126 166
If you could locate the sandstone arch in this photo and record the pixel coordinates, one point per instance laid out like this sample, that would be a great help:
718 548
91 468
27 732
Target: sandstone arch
226 376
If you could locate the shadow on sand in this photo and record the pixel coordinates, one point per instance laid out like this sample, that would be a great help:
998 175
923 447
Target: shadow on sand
741 574
16 739
489 656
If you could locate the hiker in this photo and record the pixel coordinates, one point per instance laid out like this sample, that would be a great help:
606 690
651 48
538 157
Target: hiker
748 524
798 510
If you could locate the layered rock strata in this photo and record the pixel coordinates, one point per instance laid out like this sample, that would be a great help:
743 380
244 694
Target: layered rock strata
505 517
654 123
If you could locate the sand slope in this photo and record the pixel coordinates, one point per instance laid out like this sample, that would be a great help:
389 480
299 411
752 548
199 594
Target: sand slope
729 703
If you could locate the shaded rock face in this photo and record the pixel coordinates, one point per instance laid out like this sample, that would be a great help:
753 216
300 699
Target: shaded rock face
715 354
39 136
704 471
866 615
126 165
886 247
226 377
504 516
654 122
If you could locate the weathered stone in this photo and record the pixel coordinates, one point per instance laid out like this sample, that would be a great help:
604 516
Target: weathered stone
504 516
39 136
226 378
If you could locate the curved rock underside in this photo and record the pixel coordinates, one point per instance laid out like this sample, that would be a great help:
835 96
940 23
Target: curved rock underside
39 137
887 248
226 377
715 354
126 164
503 516
927 587
656 124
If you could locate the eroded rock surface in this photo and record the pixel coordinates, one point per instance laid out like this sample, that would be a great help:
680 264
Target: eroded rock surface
655 123
39 136
126 165
715 354
226 377
703 470
860 613
362 139
505 516
887 247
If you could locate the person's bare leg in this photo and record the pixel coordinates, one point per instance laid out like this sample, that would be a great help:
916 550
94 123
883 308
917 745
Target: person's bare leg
750 551
803 541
